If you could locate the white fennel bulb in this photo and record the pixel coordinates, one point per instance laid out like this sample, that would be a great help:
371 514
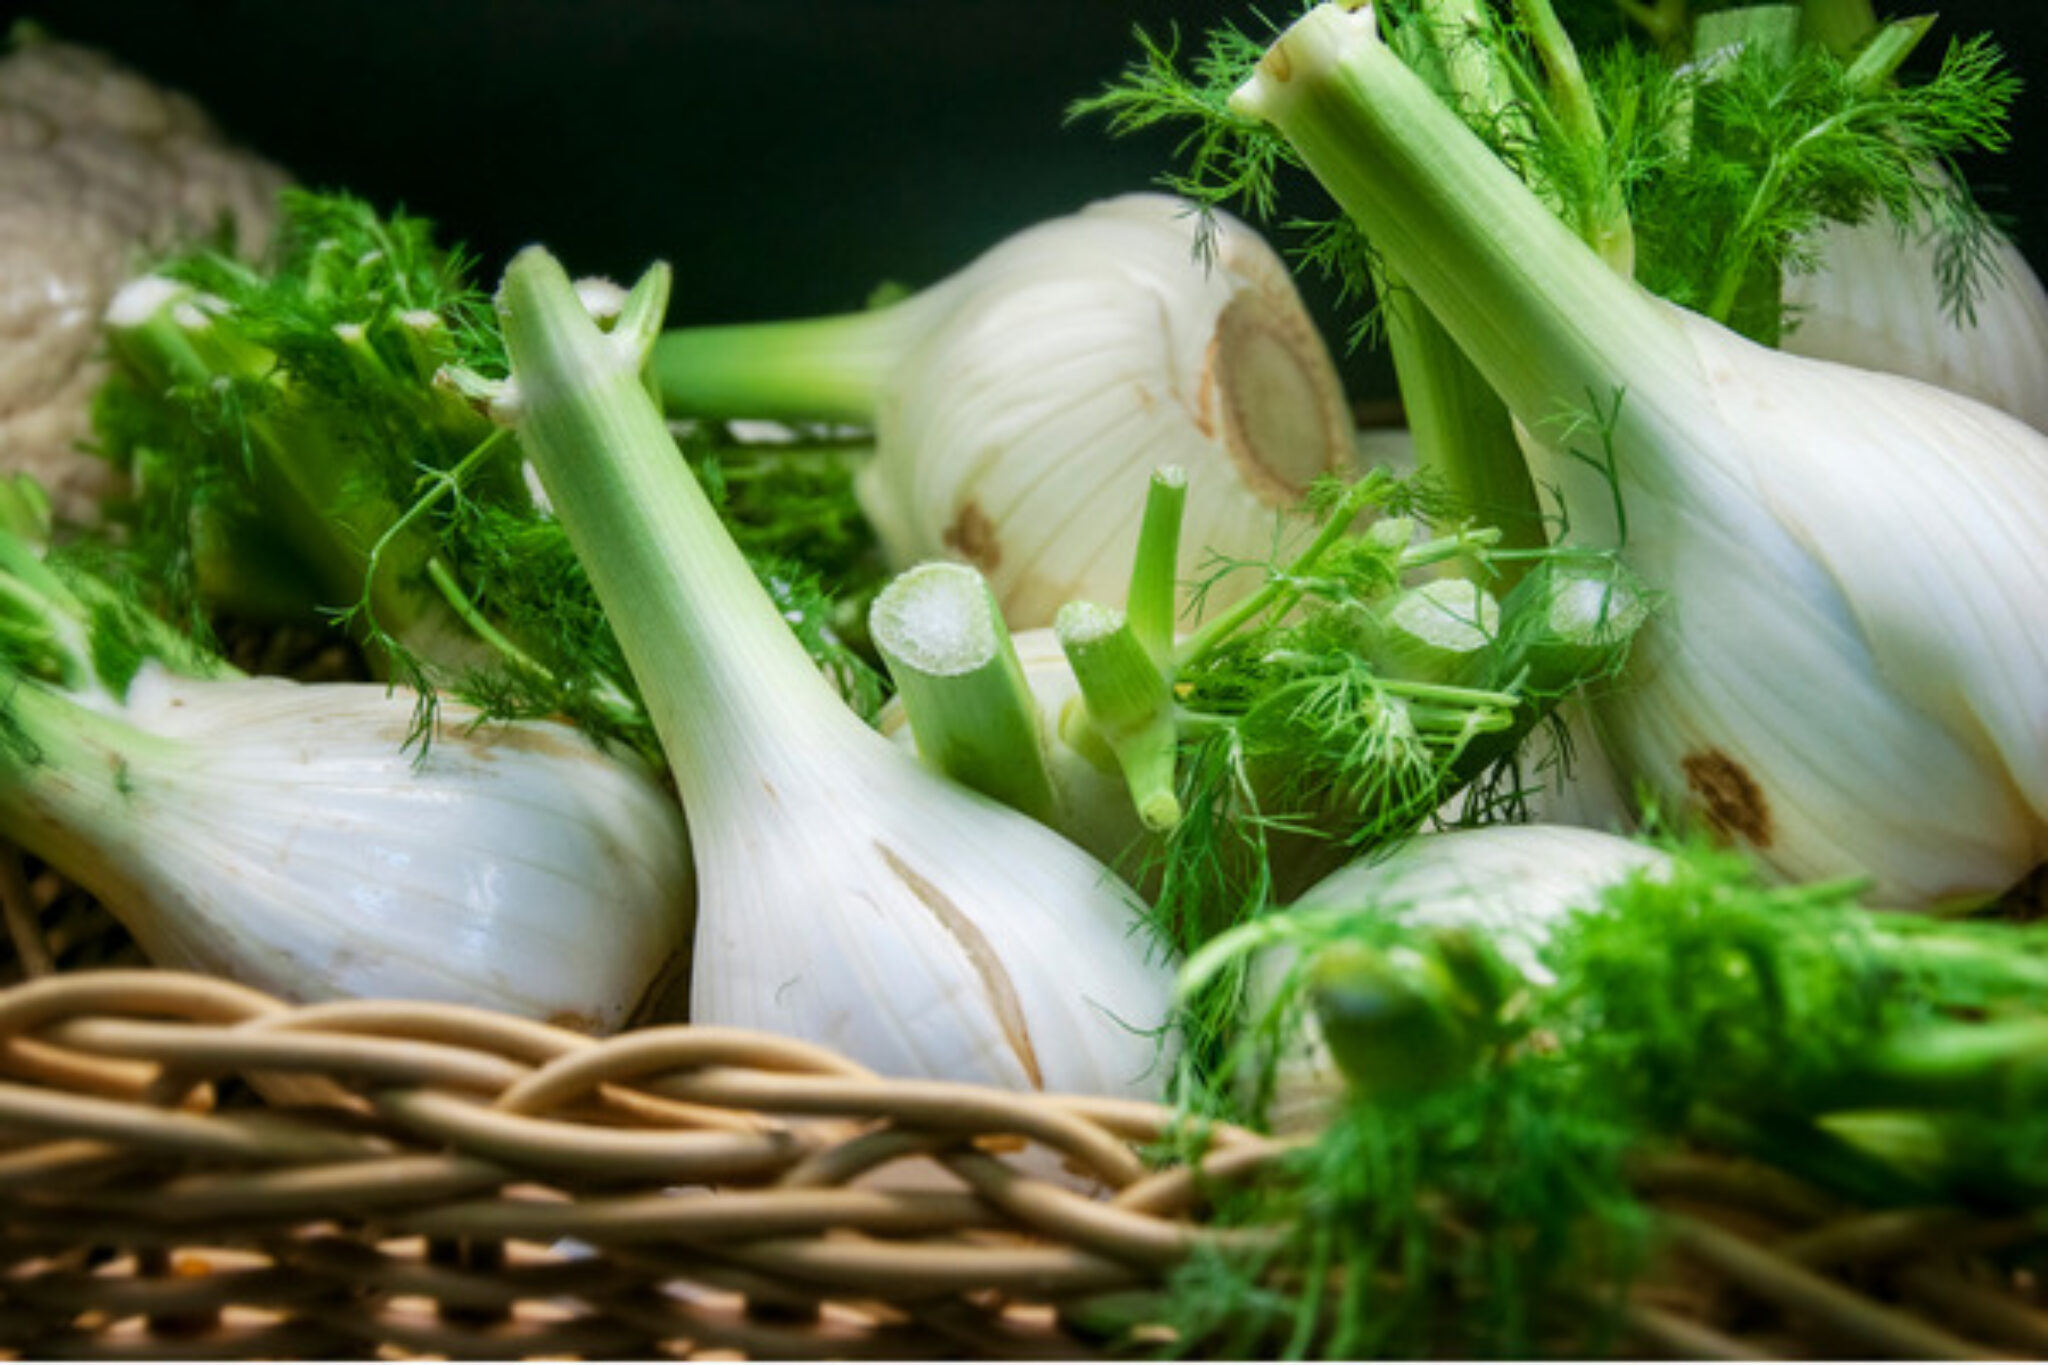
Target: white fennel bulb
1570 779
1020 405
1873 299
282 835
846 895
1848 676
1852 677
1511 883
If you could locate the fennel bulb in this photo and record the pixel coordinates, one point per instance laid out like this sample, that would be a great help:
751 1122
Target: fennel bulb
1020 406
281 835
1874 299
1849 679
289 836
846 894
1511 883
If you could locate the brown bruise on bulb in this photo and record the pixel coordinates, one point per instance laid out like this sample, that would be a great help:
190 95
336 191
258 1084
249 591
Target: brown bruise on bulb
1734 803
981 954
972 536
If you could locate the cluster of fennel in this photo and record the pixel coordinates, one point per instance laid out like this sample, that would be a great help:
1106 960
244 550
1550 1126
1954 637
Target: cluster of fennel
1492 1030
1162 834
1846 679
1336 695
328 430
1223 738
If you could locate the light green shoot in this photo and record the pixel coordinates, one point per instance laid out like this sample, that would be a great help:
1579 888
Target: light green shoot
947 649
1151 603
1128 704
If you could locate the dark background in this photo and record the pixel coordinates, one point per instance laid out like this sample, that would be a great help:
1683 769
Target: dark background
785 155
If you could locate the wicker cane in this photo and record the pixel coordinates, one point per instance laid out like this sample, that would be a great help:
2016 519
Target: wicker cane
191 1169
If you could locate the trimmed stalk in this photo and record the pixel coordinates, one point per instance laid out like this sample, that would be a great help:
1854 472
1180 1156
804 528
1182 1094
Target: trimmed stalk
1401 1022
687 601
1744 292
1570 623
1441 631
1465 446
1603 217
950 655
1153 603
1464 437
1129 705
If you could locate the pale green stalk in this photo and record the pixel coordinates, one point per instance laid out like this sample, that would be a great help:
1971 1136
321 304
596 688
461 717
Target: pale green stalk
1886 49
827 369
1544 318
1129 704
1837 25
686 606
64 767
1152 605
1465 448
1439 631
1464 438
938 629
1602 214
1758 31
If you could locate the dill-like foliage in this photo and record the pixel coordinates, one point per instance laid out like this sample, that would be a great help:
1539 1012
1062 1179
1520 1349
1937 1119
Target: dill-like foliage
1226 158
1711 1001
303 450
1484 1212
1486 1205
1309 741
1777 146
1718 171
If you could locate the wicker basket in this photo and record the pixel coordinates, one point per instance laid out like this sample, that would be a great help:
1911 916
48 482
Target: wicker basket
190 1169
